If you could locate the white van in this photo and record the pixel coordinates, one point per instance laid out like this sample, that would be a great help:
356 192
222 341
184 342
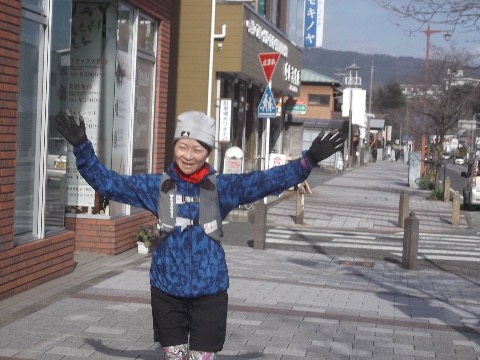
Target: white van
471 187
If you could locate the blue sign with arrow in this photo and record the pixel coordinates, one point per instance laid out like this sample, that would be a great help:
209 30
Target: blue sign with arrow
268 106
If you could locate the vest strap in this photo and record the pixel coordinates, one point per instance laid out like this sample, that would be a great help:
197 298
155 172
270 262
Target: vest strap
182 199
184 222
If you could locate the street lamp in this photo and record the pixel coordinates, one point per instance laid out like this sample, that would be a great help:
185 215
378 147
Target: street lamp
447 37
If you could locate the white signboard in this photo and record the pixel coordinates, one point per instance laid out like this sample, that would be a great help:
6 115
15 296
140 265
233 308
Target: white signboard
233 163
225 120
358 98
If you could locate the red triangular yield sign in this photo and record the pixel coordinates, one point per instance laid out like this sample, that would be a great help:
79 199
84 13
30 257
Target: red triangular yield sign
269 62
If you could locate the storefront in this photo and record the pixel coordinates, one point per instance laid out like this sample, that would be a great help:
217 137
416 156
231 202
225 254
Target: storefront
220 73
240 77
100 60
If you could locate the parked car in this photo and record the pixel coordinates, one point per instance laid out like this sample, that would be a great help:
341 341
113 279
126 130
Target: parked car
459 160
471 187
446 155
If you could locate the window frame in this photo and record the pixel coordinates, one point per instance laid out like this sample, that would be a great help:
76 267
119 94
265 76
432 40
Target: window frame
311 102
41 17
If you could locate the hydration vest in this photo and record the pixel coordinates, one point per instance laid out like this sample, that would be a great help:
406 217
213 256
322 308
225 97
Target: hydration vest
210 218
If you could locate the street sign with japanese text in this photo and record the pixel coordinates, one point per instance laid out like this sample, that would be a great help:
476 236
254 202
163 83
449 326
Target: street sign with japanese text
313 23
267 107
296 107
269 63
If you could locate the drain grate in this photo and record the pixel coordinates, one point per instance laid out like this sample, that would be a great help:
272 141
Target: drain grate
368 264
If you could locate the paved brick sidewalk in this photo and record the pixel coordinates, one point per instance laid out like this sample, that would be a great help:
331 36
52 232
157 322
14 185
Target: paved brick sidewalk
283 305
367 197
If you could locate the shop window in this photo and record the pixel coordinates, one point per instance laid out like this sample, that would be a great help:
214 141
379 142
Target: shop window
31 70
318 100
120 115
72 63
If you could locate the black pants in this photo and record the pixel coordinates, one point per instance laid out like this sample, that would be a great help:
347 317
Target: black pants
204 319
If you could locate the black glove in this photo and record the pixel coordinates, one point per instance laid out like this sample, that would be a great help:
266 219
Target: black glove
327 144
66 125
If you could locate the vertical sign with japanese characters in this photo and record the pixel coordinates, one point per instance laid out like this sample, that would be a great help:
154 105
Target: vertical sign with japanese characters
313 23
92 69
225 120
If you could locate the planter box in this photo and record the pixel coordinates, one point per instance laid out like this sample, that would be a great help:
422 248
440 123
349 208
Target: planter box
142 249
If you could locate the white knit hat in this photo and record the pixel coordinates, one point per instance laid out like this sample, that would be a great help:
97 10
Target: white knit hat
195 125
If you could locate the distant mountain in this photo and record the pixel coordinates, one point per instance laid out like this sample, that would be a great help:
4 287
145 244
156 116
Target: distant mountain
386 68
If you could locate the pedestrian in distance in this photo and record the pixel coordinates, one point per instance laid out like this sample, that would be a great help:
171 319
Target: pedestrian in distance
392 155
188 273
374 154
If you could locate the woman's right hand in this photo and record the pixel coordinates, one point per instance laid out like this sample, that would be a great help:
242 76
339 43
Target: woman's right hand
66 125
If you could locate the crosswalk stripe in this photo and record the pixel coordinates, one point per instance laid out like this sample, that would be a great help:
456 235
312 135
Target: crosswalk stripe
424 236
368 246
423 243
372 242
431 246
326 244
308 233
441 257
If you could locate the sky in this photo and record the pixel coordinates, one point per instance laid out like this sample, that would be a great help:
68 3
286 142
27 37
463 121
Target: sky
363 26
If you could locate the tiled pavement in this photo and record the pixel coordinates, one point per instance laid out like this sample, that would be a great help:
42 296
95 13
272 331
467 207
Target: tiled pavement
367 198
282 305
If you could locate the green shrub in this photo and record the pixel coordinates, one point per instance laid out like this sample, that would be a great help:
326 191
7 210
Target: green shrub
425 183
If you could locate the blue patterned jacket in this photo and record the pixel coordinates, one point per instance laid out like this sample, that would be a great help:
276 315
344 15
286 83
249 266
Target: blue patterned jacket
188 263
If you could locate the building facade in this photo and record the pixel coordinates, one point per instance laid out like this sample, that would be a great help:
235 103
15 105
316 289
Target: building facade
220 73
106 61
316 108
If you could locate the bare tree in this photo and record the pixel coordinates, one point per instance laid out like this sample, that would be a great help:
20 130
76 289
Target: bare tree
462 15
449 97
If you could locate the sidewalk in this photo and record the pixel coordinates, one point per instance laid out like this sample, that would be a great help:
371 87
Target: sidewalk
282 304
367 198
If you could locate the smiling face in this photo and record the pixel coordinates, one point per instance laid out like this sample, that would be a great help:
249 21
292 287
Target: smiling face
189 155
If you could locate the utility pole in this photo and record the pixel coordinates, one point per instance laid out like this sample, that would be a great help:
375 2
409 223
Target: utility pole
367 133
428 33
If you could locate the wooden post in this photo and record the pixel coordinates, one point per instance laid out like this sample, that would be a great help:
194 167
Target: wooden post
403 208
456 209
300 206
446 189
410 242
260 232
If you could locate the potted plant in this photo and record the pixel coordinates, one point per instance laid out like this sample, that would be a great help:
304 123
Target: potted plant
147 235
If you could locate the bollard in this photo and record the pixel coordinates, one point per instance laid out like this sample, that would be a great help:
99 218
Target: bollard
456 209
260 231
403 208
300 206
446 189
410 242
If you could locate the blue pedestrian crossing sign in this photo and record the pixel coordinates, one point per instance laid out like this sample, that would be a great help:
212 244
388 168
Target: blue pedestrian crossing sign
268 106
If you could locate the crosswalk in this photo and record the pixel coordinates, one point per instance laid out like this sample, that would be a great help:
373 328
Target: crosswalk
447 247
